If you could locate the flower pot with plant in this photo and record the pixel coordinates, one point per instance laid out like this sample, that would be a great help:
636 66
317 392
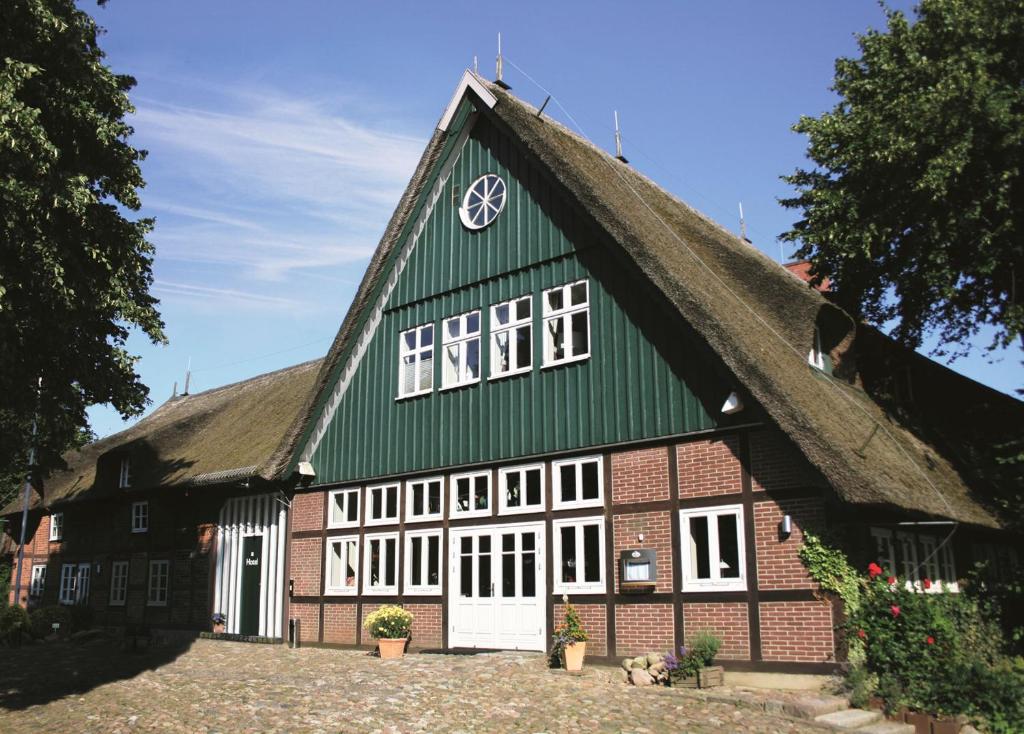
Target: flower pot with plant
692 668
219 620
390 626
570 639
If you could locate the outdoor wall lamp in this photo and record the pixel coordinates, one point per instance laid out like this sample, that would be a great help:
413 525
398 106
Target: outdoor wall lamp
786 527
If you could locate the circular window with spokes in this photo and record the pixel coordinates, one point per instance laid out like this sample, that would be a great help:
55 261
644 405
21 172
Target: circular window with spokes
483 201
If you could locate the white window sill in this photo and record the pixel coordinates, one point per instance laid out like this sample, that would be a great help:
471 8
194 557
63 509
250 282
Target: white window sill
735 585
140 530
347 591
383 521
414 394
343 525
456 514
570 589
381 591
569 360
457 385
156 604
577 504
422 591
510 373
425 518
520 510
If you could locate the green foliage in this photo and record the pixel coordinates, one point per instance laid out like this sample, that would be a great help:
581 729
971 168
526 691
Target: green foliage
76 271
829 566
570 630
388 622
13 624
913 206
41 621
704 646
1002 598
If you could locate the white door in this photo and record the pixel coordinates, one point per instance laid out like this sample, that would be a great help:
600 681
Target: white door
496 587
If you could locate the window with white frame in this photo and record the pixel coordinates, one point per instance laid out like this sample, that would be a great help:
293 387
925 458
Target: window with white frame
578 482
471 494
816 357
380 566
884 549
57 526
936 565
382 504
68 581
125 477
713 553
917 557
416 361
38 582
423 499
567 323
423 562
82 583
343 508
118 583
521 489
140 517
512 337
579 555
907 546
159 580
460 339
342 565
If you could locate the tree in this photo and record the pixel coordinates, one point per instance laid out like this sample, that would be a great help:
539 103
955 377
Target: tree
75 271
915 207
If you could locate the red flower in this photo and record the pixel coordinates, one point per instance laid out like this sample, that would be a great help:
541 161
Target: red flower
895 610
862 634
891 581
927 584
874 570
930 640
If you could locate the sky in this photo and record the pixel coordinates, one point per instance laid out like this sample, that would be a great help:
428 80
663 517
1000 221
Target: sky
281 135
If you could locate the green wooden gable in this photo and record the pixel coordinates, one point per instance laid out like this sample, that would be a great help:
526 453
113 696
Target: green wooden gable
646 376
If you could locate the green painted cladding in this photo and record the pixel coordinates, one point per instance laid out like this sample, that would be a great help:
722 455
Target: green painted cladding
645 377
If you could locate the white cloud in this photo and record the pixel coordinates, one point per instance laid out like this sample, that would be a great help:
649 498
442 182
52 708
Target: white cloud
220 296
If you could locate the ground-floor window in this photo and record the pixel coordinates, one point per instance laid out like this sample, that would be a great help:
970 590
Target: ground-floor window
38 582
579 555
712 549
381 562
423 562
118 583
1000 560
342 565
159 578
74 583
923 559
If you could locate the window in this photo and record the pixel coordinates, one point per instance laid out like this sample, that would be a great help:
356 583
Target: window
566 323
884 549
484 200
68 579
423 562
713 555
125 479
578 482
159 576
521 489
38 582
511 337
423 499
416 361
916 557
140 517
57 526
382 504
118 583
471 494
816 357
907 547
82 585
343 508
342 566
461 339
380 564
579 555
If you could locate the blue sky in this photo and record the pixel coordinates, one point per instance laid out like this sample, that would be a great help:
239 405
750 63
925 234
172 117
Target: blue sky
280 136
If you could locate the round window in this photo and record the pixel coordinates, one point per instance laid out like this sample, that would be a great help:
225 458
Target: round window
483 201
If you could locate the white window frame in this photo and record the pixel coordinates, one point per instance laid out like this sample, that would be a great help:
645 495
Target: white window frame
83 583
908 560
461 343
418 353
503 474
348 493
564 315
556 483
453 495
511 328
816 357
118 591
329 566
884 535
426 516
423 589
140 517
578 587
68 583
948 566
380 589
57 526
155 575
716 582
37 582
124 479
384 519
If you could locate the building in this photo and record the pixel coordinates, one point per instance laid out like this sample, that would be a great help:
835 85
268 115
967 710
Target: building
557 380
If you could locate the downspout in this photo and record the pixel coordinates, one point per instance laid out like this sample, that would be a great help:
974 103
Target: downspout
24 509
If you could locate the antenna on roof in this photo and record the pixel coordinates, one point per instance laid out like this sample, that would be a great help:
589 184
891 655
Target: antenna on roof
618 140
743 225
499 81
541 110
188 376
476 66
174 391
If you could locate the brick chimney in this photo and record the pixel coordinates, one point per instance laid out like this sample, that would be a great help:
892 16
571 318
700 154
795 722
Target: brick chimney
802 270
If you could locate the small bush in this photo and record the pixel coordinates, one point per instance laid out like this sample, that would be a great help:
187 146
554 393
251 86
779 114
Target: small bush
389 622
13 624
701 652
704 646
41 621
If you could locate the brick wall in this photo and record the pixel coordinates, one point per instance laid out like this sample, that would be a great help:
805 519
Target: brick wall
595 622
778 562
776 464
340 623
657 530
308 511
426 625
643 628
640 476
309 620
708 468
306 555
797 631
728 620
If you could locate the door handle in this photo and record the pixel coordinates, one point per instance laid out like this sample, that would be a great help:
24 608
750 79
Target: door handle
492 588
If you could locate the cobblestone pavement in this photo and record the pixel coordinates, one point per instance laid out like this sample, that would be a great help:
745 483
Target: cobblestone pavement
216 686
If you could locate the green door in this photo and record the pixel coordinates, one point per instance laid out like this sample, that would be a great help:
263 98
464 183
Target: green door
252 557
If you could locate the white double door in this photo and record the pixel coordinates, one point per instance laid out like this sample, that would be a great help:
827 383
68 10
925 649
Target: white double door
496 587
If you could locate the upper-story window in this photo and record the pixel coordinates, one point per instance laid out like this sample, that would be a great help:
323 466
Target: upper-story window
578 482
57 526
382 504
343 508
471 494
416 361
38 582
461 340
511 337
125 476
380 564
140 517
423 499
567 323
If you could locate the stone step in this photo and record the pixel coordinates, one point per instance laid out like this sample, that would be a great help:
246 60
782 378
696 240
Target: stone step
848 719
810 707
887 727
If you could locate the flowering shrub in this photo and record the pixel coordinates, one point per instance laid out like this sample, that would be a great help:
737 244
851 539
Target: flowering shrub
219 618
701 652
389 622
568 632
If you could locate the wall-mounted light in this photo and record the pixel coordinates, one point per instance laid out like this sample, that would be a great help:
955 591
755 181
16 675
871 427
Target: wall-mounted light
786 527
99 567
291 587
640 537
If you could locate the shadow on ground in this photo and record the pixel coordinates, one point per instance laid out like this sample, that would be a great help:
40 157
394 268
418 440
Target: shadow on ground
42 672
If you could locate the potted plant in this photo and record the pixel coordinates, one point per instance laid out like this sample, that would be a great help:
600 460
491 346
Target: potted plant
219 619
692 667
570 639
389 625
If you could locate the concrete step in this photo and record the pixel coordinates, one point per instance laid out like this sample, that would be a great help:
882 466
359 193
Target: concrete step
887 727
810 707
849 719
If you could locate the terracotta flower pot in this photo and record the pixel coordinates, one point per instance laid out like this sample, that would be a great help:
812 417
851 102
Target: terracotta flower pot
391 649
218 629
574 652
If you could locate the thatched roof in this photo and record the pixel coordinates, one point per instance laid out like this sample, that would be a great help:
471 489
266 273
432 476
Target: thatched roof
221 435
755 315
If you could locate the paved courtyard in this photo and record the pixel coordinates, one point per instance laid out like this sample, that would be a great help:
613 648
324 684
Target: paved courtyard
214 686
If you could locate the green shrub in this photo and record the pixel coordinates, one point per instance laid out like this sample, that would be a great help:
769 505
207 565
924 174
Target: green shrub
704 646
1002 598
13 624
41 621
